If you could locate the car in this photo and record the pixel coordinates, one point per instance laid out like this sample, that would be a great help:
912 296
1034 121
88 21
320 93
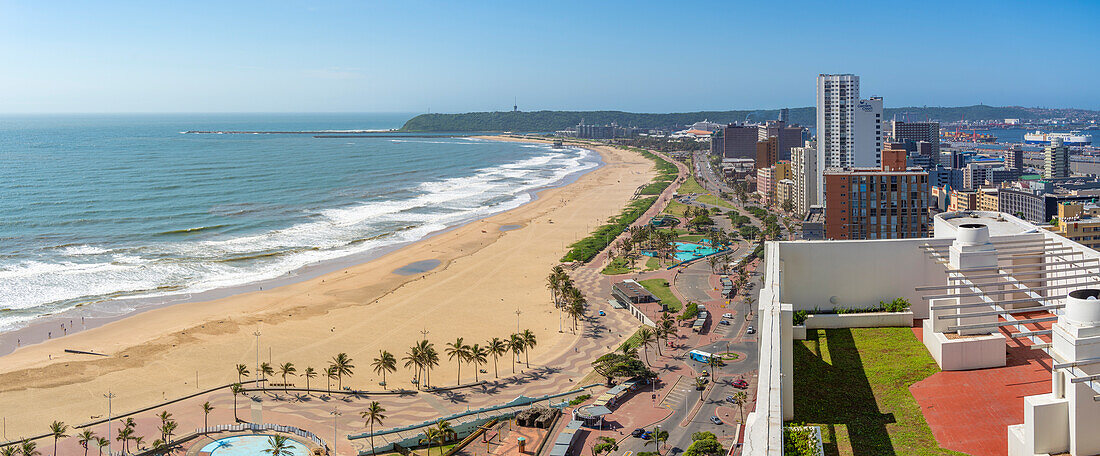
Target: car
727 315
724 322
705 373
637 432
646 435
751 330
739 384
715 420
602 313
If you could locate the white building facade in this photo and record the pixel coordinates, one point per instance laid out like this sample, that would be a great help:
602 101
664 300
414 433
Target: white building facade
804 173
849 130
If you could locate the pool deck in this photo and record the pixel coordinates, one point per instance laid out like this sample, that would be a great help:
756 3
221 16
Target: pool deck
202 441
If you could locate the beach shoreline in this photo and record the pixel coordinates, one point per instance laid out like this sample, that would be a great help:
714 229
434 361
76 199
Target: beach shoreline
82 318
485 275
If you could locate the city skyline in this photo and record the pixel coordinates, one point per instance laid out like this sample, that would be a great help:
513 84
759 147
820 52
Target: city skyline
647 57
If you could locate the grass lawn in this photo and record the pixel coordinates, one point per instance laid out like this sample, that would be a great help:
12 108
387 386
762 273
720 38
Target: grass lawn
714 201
660 289
424 451
617 266
652 264
855 384
675 208
691 186
696 238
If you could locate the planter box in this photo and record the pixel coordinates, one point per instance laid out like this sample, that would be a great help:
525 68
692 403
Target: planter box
859 320
798 332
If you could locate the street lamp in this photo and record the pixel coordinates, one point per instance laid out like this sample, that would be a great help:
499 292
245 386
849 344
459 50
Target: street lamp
335 413
257 334
109 396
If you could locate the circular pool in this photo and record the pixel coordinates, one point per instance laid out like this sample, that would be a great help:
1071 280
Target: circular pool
249 445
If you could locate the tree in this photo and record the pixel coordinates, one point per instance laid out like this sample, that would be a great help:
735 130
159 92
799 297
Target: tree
656 437
374 414
265 370
206 409
13 450
516 346
604 445
645 338
242 370
477 356
125 434
385 362
414 359
284 370
343 367
458 350
237 390
496 348
703 435
57 431
102 443
741 398
28 448
430 358
701 385
308 374
529 342
330 374
705 447
278 445
613 365
714 362
84 438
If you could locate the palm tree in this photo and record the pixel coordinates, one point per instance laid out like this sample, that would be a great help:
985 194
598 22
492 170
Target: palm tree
137 442
125 433
645 338
206 409
701 385
237 390
308 374
553 282
459 350
443 432
165 417
242 371
284 370
331 374
168 428
741 398
11 450
714 362
604 445
58 430
374 414
496 348
414 359
385 362
658 436
529 342
278 445
430 359
343 367
477 356
29 448
265 370
101 443
515 345
84 438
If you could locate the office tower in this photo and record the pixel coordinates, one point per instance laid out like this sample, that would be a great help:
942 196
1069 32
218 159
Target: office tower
785 115
916 132
788 136
1056 160
849 130
767 152
925 149
1014 158
739 141
870 203
805 177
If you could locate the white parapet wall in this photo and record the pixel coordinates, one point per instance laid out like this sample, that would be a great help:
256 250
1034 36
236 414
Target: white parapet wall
859 320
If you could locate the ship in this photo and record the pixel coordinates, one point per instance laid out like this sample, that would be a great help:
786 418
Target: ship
972 137
1073 138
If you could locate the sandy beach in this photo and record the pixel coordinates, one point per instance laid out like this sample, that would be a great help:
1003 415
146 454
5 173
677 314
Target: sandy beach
484 276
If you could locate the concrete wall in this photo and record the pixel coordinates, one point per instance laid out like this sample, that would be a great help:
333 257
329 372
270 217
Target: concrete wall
853 274
859 320
764 426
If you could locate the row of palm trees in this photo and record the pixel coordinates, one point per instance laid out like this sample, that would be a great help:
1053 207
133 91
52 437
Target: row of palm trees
666 327
340 366
565 295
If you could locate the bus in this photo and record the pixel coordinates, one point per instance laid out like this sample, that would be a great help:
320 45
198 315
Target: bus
699 355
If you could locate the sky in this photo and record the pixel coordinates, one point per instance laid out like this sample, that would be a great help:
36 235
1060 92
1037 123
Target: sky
457 56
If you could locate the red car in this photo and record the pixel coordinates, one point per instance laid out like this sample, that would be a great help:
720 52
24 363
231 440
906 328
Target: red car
740 384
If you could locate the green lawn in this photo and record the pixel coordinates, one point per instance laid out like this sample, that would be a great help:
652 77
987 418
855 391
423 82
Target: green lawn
652 264
617 266
675 208
660 289
696 238
714 201
855 384
691 186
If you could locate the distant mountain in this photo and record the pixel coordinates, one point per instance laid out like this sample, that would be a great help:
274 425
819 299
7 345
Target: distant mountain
539 121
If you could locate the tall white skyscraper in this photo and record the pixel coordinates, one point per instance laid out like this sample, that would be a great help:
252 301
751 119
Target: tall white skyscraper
849 130
804 170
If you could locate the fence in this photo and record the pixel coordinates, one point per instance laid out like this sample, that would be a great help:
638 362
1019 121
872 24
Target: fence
262 427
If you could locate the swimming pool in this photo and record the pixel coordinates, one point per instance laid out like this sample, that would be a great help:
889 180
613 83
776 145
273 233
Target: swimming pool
249 445
687 251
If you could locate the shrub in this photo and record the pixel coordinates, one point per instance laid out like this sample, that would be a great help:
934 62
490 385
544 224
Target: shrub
800 317
579 399
800 441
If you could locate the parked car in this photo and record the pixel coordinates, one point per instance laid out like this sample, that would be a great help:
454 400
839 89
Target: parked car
751 330
715 420
740 384
637 432
724 322
602 313
727 315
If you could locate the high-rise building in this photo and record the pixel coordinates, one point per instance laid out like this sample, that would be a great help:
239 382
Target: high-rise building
805 177
895 157
849 130
739 141
767 179
872 203
787 136
916 132
1014 158
1056 160
767 152
785 115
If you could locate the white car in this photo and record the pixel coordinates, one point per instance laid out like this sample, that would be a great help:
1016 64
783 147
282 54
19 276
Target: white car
727 315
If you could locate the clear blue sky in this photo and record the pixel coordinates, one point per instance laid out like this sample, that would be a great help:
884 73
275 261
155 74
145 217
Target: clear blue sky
661 56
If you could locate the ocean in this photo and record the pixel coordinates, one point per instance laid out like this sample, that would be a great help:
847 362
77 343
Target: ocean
108 213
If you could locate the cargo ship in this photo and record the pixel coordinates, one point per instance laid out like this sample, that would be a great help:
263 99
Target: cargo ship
973 137
1074 138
